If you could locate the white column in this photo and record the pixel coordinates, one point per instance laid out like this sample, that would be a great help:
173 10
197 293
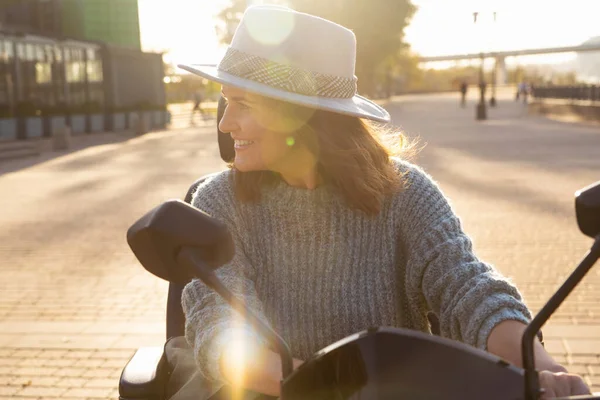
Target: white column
500 67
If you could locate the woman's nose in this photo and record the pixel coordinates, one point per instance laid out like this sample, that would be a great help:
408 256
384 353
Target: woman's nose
227 123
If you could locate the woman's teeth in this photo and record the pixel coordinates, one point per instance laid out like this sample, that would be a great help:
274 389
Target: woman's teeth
242 143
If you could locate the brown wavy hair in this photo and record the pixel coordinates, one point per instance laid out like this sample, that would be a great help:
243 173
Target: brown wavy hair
352 155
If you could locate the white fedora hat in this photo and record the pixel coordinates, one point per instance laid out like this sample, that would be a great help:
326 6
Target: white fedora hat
295 57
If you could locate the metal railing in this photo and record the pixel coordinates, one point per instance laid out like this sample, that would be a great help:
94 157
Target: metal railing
581 92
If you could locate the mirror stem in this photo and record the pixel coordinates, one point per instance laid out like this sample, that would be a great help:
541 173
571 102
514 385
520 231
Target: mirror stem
532 384
187 256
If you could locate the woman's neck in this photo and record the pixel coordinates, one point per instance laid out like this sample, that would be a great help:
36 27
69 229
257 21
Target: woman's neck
301 171
310 180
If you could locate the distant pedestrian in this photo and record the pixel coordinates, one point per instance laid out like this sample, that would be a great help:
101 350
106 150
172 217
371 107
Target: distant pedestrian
463 93
522 91
198 98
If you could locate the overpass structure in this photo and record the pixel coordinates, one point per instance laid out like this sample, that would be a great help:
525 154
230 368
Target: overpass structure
500 56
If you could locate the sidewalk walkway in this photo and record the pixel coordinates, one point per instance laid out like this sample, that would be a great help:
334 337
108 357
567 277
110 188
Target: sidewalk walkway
512 180
75 304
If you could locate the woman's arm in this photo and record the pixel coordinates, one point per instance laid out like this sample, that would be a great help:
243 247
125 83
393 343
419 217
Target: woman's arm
476 305
443 273
211 325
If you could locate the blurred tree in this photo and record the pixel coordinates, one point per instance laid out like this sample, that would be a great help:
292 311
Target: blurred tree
405 71
229 18
378 26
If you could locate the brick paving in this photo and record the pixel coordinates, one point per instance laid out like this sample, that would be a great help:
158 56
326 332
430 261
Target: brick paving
512 180
74 303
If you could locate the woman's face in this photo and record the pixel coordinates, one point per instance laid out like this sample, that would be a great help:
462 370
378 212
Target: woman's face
262 136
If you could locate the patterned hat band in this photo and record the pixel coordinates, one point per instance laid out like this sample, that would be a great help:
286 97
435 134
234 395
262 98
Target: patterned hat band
286 77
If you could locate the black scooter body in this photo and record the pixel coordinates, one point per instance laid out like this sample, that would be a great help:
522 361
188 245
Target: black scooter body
393 363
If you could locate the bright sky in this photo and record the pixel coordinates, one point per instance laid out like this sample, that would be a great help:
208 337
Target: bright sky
185 28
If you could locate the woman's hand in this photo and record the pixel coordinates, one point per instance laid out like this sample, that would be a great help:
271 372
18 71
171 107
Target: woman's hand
561 384
505 341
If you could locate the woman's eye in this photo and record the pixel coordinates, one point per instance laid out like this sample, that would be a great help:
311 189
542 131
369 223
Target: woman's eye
241 106
233 103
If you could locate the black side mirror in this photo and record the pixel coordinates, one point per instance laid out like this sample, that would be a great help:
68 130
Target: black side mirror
587 208
178 242
157 238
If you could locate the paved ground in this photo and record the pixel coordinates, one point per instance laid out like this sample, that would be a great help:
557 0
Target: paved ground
74 303
181 116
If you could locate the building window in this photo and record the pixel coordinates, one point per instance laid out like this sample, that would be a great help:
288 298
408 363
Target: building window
21 55
75 72
6 79
94 71
77 54
75 68
7 50
29 52
49 52
39 53
94 65
43 72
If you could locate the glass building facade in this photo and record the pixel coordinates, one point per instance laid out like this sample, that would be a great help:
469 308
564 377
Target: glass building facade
51 50
87 67
49 73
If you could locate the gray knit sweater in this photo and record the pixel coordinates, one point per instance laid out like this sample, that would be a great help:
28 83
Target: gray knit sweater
318 271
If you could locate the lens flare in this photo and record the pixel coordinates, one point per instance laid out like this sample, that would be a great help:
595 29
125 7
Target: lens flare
273 33
283 117
237 355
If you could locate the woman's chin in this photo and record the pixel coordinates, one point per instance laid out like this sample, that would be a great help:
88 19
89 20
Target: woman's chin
245 166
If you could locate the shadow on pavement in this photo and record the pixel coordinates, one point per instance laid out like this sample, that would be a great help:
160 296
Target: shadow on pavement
508 136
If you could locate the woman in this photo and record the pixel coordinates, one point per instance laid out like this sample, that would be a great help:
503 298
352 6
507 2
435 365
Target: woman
325 219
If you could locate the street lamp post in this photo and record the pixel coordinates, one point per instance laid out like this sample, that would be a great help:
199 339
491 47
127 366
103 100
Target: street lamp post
481 111
493 98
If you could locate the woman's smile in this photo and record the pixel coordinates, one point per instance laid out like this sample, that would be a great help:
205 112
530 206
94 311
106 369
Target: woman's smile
242 144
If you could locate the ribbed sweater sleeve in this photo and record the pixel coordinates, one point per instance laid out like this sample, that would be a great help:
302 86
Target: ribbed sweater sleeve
469 296
211 324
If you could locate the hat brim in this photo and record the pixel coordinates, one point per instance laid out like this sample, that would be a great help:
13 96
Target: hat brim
356 106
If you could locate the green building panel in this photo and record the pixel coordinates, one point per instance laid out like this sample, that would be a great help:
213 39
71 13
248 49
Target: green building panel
72 21
110 21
